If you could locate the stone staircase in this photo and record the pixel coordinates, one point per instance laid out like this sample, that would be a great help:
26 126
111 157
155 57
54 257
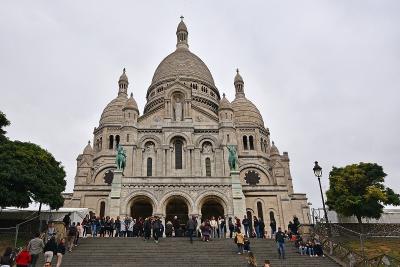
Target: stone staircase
180 252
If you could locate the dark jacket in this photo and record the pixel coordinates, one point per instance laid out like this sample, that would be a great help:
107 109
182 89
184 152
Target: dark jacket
280 237
191 224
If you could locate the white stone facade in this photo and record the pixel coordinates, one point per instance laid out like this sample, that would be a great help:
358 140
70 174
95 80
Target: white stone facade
177 157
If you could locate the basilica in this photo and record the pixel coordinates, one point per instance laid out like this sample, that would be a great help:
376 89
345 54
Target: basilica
177 151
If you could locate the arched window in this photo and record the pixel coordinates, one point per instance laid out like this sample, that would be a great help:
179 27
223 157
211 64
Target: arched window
245 147
265 146
260 210
271 216
101 143
262 145
227 138
208 167
178 154
116 140
102 209
251 142
149 167
111 142
127 138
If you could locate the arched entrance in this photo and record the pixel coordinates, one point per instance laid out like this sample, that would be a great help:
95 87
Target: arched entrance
211 208
141 207
177 206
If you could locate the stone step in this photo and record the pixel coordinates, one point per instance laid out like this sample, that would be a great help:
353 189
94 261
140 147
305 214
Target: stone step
178 252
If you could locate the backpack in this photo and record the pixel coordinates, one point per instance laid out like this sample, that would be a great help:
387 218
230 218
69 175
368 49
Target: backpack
72 231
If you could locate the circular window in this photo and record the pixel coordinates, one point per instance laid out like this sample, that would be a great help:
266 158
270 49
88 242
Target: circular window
252 177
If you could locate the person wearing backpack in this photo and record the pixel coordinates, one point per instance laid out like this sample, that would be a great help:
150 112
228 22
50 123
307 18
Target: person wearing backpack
23 258
8 258
72 232
157 225
231 227
50 249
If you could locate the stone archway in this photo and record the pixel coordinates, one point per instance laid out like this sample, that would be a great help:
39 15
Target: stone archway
212 207
141 207
177 206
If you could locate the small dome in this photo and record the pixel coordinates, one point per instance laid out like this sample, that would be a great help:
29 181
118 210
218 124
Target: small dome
113 111
246 112
123 77
182 26
238 77
88 150
182 63
273 150
131 104
224 103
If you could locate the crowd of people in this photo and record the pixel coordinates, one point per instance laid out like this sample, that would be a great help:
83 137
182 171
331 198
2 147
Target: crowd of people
241 230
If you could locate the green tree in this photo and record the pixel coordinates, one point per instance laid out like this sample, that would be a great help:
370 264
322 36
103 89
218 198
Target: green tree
358 190
29 173
3 123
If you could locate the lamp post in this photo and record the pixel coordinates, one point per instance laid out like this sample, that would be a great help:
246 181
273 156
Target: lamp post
318 173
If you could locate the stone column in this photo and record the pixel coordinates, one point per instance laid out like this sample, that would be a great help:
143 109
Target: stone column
239 203
115 195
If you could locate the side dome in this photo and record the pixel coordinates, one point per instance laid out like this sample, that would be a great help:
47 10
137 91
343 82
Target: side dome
246 112
131 104
182 63
224 103
113 111
88 150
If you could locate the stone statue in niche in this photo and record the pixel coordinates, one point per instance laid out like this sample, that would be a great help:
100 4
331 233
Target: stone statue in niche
178 109
150 147
207 148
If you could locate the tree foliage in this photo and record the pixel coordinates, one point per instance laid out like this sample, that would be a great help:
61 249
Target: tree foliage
358 190
28 172
3 123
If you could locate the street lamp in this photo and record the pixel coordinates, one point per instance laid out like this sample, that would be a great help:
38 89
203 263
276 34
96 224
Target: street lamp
318 173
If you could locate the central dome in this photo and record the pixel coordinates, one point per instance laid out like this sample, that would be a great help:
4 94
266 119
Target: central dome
182 63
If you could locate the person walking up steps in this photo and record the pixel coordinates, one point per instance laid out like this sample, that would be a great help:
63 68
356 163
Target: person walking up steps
35 247
60 252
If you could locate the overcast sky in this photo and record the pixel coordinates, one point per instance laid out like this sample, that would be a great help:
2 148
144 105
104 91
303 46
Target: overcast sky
324 74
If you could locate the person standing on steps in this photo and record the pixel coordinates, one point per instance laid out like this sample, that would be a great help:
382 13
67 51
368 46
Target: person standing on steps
246 225
147 228
177 225
214 227
280 241
231 227
273 227
191 227
261 226
117 226
256 226
156 229
35 247
239 240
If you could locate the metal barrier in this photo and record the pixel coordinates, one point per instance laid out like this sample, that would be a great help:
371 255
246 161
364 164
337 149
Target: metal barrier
336 244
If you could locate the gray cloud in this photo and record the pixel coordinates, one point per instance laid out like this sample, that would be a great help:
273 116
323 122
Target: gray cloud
324 74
